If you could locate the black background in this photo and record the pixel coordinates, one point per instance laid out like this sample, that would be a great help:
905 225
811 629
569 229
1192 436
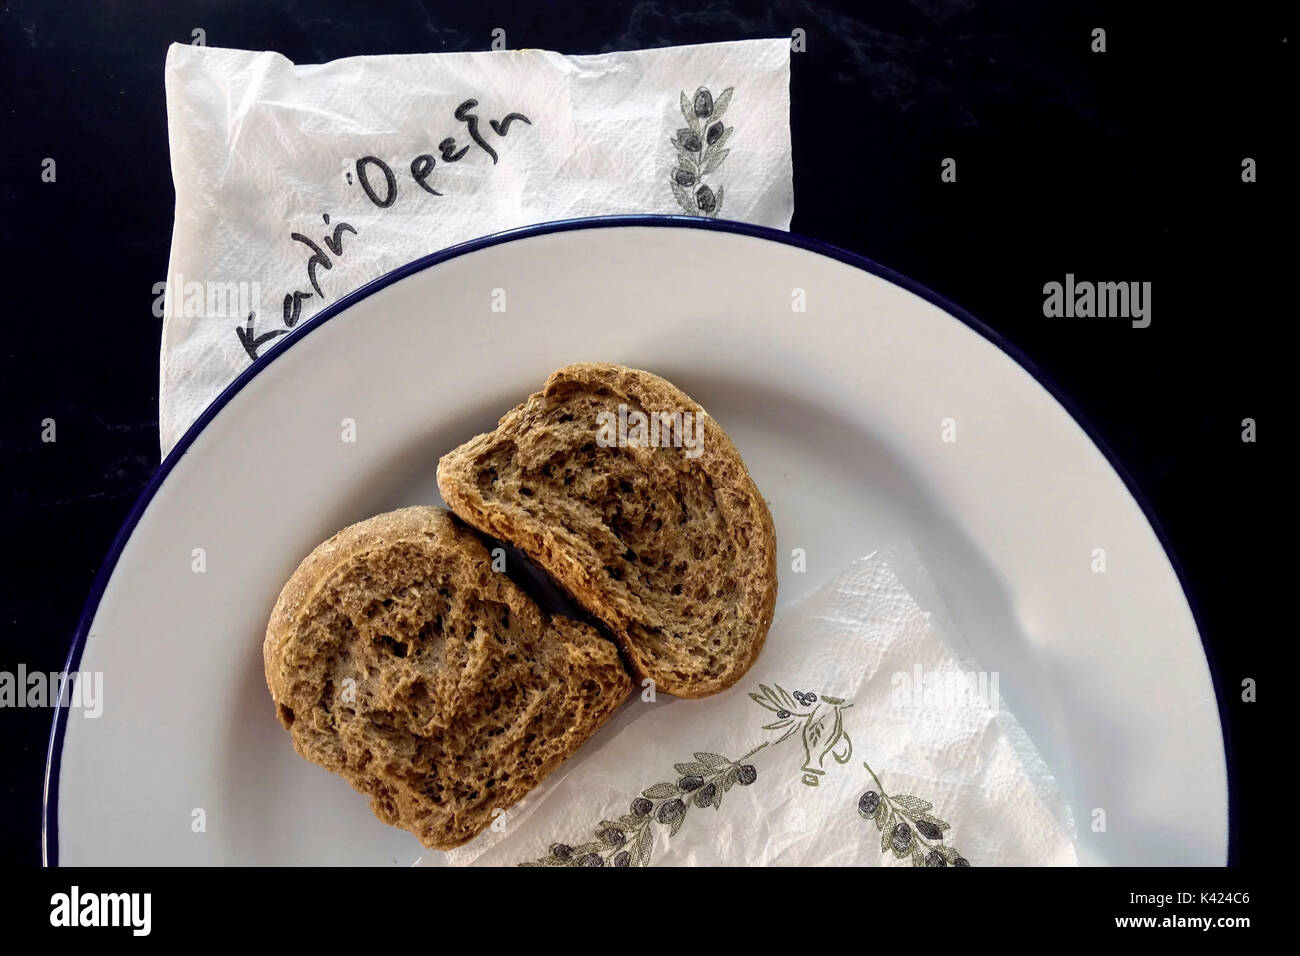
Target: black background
1124 166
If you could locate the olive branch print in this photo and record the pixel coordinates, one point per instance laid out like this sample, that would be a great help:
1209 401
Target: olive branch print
821 730
907 827
629 840
700 151
904 821
701 783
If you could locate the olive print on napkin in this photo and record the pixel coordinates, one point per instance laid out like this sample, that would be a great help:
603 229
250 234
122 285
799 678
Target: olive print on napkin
700 151
906 826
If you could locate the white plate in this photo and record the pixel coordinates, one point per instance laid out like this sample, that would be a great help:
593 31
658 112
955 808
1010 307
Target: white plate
838 413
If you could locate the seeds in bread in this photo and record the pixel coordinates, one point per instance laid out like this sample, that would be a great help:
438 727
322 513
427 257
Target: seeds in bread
464 694
674 552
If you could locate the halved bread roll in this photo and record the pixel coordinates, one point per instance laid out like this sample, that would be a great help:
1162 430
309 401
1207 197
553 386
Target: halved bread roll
400 660
655 529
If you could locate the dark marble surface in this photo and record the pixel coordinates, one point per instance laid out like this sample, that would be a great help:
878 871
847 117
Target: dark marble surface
1121 165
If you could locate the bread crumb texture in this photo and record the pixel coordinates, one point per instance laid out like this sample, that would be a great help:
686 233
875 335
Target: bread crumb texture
675 554
397 658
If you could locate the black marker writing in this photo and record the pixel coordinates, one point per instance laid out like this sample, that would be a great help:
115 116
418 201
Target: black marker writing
252 343
293 307
503 127
318 259
447 148
368 172
422 169
471 123
390 193
335 245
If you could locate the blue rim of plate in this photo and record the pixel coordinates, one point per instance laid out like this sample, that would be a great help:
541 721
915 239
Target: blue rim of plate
50 799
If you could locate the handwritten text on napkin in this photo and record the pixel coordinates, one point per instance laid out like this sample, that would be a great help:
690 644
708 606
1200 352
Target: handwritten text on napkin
297 184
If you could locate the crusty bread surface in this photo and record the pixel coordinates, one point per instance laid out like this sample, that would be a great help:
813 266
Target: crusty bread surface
674 552
398 658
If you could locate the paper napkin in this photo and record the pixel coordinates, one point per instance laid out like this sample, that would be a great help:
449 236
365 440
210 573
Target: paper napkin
864 735
298 184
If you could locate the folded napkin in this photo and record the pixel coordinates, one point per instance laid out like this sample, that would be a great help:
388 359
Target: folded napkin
297 184
864 735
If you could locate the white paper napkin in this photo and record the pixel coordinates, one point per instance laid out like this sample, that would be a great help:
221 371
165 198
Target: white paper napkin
297 184
863 725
